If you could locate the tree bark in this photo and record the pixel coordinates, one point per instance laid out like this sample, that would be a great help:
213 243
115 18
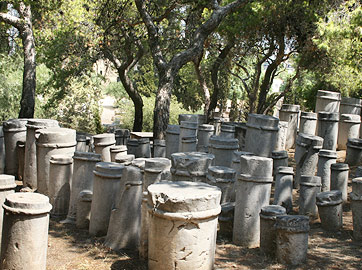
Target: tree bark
203 85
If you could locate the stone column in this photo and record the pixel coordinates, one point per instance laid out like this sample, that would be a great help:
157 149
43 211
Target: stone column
222 148
308 123
2 151
102 145
187 233
282 136
203 136
172 139
14 131
290 114
358 172
187 129
188 144
216 121
328 129
159 148
28 236
52 141
328 101
7 186
339 178
125 160
227 130
122 136
325 159
240 133
235 165
132 147
20 148
292 239
30 170
252 193
268 233
280 158
60 178
349 125
82 143
356 206
330 210
188 118
354 152
309 187
350 105
191 166
106 184
226 220
283 193
306 155
84 203
144 148
117 150
84 163
223 178
261 134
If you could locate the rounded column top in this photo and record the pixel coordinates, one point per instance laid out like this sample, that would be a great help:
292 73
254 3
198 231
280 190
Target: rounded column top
223 142
85 195
351 101
56 136
339 166
256 166
310 180
238 154
7 181
173 129
27 203
306 140
285 170
280 154
329 94
327 153
292 223
262 121
118 148
108 169
17 124
290 108
332 197
328 116
88 156
140 163
350 118
41 123
157 165
271 211
354 142
308 115
104 139
127 159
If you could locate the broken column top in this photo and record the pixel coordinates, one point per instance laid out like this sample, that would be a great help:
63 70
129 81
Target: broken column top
7 181
292 223
17 124
327 153
56 136
271 211
104 139
108 169
332 197
41 123
157 165
308 115
328 116
290 108
306 140
27 203
221 174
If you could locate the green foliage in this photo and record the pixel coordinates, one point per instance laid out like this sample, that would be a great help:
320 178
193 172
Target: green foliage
234 111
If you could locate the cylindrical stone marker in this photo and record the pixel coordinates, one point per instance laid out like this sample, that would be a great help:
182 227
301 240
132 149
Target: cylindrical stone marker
188 118
240 133
122 136
187 129
308 123
282 136
328 101
226 220
2 151
203 136
144 148
283 193
25 231
325 159
132 147
354 152
268 233
84 203
183 217
339 178
7 186
188 144
330 209
350 105
223 178
117 150
172 139
235 165
106 184
356 206
102 145
20 148
222 148
310 186
349 125
328 129
358 172
125 160
227 130
292 239
280 158
290 114
159 148
60 178
252 193
82 143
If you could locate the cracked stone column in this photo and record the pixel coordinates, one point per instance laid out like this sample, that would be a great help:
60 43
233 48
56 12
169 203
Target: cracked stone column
180 238
330 210
261 134
84 203
325 159
159 148
30 170
308 123
350 105
292 239
306 155
339 178
223 178
227 130
172 139
349 126
354 152
14 131
328 129
52 141
280 158
187 129
327 101
203 136
191 166
309 187
7 186
280 144
102 145
117 150
222 148
188 144
252 193
290 114
283 193
356 206
28 236
2 151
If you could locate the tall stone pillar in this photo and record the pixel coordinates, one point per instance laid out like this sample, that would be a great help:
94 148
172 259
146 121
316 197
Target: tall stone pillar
308 123
325 159
327 101
328 129
172 139
290 114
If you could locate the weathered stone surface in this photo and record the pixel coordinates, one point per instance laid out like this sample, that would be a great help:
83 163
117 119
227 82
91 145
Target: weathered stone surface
280 158
290 114
144 148
350 105
339 178
187 129
349 127
83 142
308 123
222 148
172 139
356 206
282 136
354 152
102 145
2 151
283 193
223 178
227 130
188 144
159 148
357 185
330 209
240 133
310 186
20 148
325 159
226 220
122 136
203 136
117 150
7 186
84 203
327 101
328 129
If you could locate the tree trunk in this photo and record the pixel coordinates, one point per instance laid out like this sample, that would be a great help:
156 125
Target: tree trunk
204 87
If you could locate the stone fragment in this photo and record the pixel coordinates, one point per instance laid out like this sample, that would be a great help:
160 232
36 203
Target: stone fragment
283 192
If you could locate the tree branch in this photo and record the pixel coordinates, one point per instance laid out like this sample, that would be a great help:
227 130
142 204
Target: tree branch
12 20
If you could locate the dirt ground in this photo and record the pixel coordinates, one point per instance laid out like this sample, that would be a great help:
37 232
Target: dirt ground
70 249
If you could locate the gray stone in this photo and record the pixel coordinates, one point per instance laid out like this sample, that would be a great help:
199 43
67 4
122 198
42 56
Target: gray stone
330 209
125 160
282 136
84 203
308 123
159 148
283 192
122 136
83 142
102 145
187 129
144 148
280 158
240 133
325 159
188 144
356 206
7 186
358 172
132 147
357 185
309 187
227 130
339 178
349 126
235 165
350 105
172 139
188 118
20 148
290 114
203 136
327 128
354 152
328 101
226 220
222 148
117 150
2 151
223 178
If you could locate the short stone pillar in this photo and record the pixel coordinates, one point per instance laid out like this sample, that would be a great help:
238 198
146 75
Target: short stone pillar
82 143
144 148
60 178
188 118
106 185
306 155
235 165
308 123
190 166
30 170
222 148
328 101
102 145
20 148
122 136
309 187
356 206
350 105
292 239
172 139
159 148
190 233
328 129
223 178
227 130
84 203
22 239
7 186
330 210
226 220
268 233
216 121
188 144
339 178
84 164
325 159
125 160
283 193
252 193
262 134
282 136
2 151
187 129
280 158
290 114
349 126
14 131
354 152
117 150
203 136
51 141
